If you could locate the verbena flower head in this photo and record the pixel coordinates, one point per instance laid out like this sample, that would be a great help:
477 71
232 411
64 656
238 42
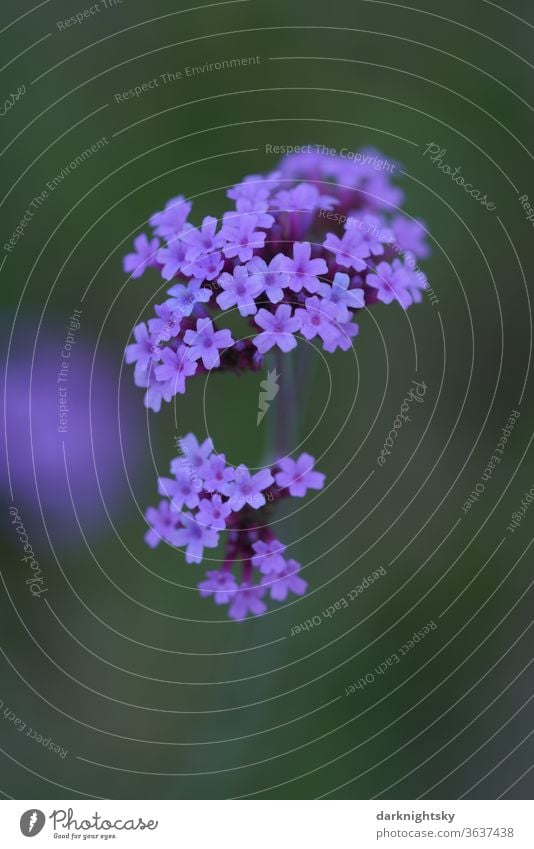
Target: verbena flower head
300 254
211 505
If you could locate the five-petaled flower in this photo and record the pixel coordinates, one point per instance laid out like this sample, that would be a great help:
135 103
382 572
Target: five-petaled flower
393 283
195 537
143 257
303 271
246 488
240 289
176 367
170 222
277 329
342 296
205 343
299 476
241 236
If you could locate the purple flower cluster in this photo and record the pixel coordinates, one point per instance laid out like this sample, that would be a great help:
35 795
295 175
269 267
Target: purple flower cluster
305 249
206 497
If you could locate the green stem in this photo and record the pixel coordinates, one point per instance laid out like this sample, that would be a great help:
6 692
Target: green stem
286 411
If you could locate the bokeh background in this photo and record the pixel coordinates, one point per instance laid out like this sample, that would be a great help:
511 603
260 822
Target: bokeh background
151 691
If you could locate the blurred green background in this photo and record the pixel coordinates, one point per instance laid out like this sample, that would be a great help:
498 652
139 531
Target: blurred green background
150 689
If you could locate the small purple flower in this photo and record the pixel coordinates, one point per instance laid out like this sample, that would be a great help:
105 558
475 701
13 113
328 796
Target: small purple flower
307 166
303 271
216 472
141 351
286 581
240 289
253 188
344 332
410 236
213 512
350 250
391 282
247 488
303 198
205 343
163 522
195 537
251 207
156 392
278 329
143 258
176 367
299 476
251 196
208 267
185 297
268 557
172 258
415 280
272 279
241 236
316 318
202 240
222 585
374 232
194 454
182 489
170 222
167 325
342 296
380 192
247 599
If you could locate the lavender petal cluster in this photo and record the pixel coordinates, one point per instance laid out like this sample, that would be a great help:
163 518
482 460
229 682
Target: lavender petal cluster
304 250
205 498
